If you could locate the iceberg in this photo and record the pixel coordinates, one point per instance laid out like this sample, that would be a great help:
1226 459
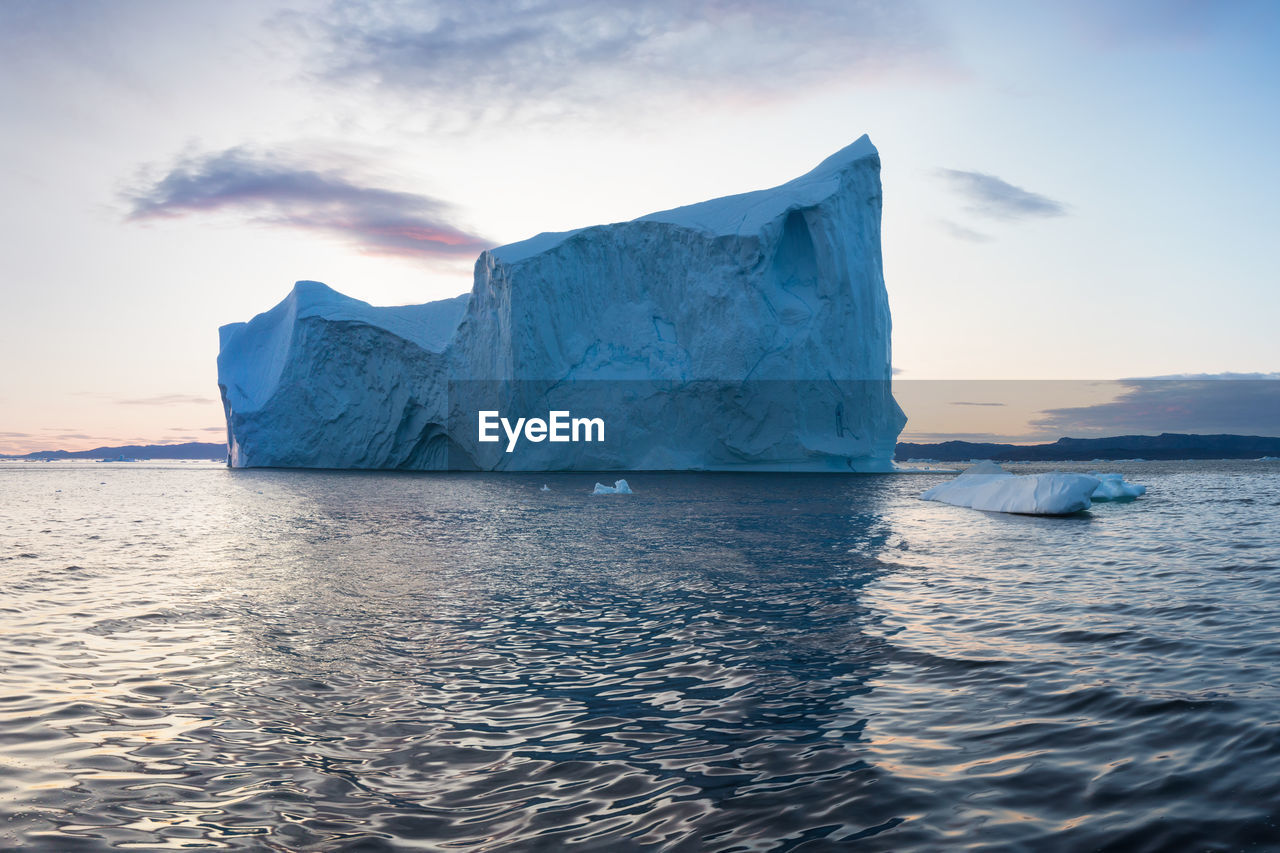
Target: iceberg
619 487
987 486
749 332
1112 487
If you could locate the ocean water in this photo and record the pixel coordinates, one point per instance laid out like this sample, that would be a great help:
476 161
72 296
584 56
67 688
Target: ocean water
198 658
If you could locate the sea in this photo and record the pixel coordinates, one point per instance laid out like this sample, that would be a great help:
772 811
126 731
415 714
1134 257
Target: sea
193 657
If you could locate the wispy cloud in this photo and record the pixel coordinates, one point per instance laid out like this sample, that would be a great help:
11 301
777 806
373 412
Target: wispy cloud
962 233
997 199
1243 404
167 400
969 403
910 436
272 190
491 58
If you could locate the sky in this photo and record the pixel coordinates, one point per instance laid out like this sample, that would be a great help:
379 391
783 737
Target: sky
1076 190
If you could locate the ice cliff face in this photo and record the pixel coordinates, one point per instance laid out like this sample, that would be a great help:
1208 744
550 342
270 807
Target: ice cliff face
748 332
325 381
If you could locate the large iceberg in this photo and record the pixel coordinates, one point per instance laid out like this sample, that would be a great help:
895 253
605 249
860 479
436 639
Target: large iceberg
749 332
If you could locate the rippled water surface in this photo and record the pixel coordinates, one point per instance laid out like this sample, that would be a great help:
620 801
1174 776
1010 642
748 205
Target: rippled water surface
192 657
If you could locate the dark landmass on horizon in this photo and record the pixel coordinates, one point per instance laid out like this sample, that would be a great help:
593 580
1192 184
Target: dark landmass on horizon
215 450
1166 446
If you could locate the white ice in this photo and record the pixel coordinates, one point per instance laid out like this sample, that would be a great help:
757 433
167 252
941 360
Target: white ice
987 486
619 487
1112 487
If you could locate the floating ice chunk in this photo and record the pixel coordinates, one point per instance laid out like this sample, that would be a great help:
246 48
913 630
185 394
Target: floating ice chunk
987 486
1269 458
985 468
545 488
906 468
619 487
1112 487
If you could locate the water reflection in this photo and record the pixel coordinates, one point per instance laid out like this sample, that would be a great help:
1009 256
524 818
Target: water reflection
335 658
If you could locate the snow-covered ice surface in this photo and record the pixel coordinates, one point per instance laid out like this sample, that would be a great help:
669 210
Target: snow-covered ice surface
1112 487
749 332
619 487
987 486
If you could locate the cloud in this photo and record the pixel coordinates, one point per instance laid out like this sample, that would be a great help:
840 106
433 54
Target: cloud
996 199
1243 404
967 403
491 58
167 400
910 436
273 191
962 233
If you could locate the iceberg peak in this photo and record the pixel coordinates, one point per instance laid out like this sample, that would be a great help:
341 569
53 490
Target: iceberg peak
306 289
742 214
854 151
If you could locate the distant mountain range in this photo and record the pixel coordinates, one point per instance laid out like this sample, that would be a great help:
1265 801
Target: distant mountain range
1155 447
191 450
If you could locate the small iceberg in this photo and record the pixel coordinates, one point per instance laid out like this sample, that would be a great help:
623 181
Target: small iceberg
989 487
619 487
545 488
1112 487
